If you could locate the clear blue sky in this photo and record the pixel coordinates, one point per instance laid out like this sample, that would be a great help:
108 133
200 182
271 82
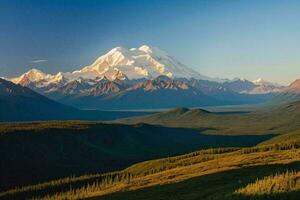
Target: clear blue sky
229 38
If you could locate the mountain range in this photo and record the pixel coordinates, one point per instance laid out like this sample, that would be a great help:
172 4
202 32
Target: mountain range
143 77
19 103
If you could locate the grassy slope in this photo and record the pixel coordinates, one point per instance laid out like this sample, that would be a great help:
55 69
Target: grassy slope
215 179
206 174
274 120
61 149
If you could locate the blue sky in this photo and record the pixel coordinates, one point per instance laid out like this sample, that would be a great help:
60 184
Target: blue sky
229 38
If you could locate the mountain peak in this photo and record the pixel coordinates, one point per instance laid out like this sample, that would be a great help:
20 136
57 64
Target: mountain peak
119 63
261 81
146 49
295 85
258 81
135 63
117 49
33 75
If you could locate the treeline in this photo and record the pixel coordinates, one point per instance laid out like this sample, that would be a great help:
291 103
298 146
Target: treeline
77 186
289 145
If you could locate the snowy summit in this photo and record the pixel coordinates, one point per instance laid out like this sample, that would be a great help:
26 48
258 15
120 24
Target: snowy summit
143 62
121 63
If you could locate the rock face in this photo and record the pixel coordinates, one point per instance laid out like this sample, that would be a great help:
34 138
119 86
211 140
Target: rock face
161 83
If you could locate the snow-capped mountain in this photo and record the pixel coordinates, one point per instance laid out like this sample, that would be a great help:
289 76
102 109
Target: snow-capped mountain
135 63
116 78
37 76
119 63
261 81
264 87
259 86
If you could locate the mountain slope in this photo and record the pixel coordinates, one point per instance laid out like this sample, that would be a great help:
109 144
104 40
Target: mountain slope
289 94
18 103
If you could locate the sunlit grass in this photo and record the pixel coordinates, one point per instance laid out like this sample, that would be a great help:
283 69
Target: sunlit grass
274 184
159 172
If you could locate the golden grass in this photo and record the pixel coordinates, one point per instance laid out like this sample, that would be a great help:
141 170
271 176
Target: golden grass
34 126
160 172
274 184
219 163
